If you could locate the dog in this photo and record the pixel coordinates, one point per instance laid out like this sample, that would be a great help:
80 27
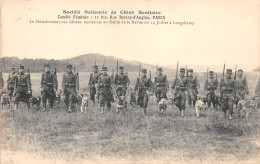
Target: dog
84 103
200 105
35 101
122 104
133 99
162 105
5 100
245 107
58 98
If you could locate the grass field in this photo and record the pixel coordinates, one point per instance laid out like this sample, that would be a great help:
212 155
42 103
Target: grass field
59 137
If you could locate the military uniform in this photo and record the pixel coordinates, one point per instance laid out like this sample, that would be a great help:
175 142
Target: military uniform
93 80
179 88
242 87
161 86
227 91
49 86
143 85
11 82
192 88
70 87
1 81
122 82
105 92
22 88
210 88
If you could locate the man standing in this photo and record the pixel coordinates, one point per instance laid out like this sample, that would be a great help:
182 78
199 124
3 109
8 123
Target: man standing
242 86
11 81
105 82
143 86
93 80
179 89
210 88
49 87
1 81
193 88
161 85
22 87
227 92
70 87
122 83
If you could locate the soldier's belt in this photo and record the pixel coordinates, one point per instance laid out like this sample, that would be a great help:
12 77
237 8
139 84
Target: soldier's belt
70 84
22 84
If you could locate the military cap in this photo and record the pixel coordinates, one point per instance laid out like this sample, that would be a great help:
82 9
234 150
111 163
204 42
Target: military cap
160 69
144 70
47 65
229 71
190 70
240 70
182 69
12 68
121 67
104 68
211 72
95 66
69 66
21 67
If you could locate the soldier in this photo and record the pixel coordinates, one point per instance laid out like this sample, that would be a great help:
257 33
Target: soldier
93 80
242 86
210 89
70 87
1 81
193 88
179 89
226 92
11 81
105 90
161 85
143 86
22 87
122 82
49 87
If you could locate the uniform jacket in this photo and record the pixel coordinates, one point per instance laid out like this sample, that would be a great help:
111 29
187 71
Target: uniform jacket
1 81
143 84
22 82
11 80
211 85
104 83
227 86
121 79
161 81
93 79
70 81
49 81
180 83
241 83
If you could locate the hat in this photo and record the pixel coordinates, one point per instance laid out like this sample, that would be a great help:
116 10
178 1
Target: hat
190 70
95 67
21 67
121 67
144 70
211 72
47 65
69 66
229 71
104 68
159 69
240 70
182 69
13 68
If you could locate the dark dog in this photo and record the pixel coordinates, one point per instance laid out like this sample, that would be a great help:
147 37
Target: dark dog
5 100
133 99
35 101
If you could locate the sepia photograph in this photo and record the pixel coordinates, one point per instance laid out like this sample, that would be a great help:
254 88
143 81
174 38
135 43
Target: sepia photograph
133 82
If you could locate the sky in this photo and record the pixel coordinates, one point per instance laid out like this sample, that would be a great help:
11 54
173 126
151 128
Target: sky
223 31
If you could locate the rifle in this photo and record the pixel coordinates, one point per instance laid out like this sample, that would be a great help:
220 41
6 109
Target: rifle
186 71
150 75
74 69
113 73
29 72
140 67
207 74
176 76
235 73
117 67
157 69
55 72
223 74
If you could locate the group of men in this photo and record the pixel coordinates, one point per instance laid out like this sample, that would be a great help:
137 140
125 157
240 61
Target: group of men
225 93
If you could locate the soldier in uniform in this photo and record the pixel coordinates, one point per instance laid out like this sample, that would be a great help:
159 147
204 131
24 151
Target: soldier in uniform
105 92
179 89
122 82
227 92
161 85
22 87
1 81
70 88
49 87
242 86
93 80
11 81
210 89
193 88
143 86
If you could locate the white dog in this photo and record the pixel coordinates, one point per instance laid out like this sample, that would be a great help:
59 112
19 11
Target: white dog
162 105
245 107
200 105
84 103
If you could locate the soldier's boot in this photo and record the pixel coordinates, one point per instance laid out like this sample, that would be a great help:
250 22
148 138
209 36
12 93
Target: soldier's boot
182 113
102 110
44 107
70 108
230 117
